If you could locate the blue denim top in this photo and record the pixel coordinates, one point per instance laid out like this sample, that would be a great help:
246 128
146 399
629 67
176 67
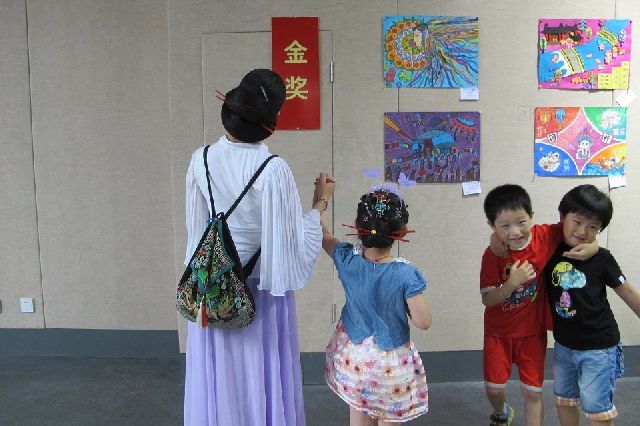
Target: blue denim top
375 296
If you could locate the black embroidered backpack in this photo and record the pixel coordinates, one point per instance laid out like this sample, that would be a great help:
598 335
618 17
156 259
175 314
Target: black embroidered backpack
212 291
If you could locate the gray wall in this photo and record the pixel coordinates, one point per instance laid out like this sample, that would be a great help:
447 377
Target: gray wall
102 106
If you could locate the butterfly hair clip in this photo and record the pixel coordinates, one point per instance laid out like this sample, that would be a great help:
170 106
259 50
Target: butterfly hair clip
404 180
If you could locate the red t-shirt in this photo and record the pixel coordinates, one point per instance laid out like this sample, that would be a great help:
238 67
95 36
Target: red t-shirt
526 311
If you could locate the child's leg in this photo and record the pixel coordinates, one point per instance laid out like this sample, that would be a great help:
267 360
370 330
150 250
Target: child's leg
358 418
598 371
565 386
497 369
602 423
529 354
587 378
568 416
533 409
496 397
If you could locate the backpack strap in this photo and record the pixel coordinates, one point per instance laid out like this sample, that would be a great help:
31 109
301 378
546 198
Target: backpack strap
244 191
246 188
248 268
206 167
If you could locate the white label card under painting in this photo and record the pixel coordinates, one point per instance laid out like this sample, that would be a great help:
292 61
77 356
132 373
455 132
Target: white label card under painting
471 188
575 141
431 147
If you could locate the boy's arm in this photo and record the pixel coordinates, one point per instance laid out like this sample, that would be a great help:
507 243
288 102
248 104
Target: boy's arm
630 295
583 251
497 247
329 241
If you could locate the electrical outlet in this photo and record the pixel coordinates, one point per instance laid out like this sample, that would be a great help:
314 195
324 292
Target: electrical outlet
26 304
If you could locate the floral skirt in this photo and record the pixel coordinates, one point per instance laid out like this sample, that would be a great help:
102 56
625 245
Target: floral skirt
386 385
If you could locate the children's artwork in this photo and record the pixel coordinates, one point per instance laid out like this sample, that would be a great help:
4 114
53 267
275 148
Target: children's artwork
430 51
431 147
584 53
573 141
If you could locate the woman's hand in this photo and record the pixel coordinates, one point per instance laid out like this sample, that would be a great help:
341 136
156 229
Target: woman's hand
325 186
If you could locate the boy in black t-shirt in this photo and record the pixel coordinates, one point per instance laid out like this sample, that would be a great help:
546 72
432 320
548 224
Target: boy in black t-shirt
587 354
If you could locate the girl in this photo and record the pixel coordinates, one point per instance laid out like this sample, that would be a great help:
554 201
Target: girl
371 363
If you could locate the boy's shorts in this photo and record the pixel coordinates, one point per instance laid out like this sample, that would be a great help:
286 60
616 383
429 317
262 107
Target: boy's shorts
587 378
527 353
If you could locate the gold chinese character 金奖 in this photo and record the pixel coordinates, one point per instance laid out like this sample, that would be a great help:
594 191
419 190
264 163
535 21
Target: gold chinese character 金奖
295 53
295 86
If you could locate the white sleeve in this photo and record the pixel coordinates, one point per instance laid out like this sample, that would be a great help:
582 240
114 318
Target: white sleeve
290 241
197 209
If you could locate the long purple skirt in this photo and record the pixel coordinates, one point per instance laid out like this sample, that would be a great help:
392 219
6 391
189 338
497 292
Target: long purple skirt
247 376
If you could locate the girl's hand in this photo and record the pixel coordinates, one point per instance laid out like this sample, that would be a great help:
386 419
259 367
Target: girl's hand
325 186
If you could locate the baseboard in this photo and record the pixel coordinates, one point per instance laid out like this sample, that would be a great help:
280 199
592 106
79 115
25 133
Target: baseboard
456 366
446 366
89 343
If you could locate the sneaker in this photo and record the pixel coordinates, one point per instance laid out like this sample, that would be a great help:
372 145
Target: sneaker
503 419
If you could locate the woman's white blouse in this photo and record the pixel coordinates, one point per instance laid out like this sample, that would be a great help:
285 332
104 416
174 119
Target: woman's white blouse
270 215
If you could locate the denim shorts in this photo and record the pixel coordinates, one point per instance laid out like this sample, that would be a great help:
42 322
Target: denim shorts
588 378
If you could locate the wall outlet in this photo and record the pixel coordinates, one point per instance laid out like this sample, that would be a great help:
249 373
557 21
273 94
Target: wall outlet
26 304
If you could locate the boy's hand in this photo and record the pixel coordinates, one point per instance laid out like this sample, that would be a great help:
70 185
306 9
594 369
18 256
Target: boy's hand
519 273
583 251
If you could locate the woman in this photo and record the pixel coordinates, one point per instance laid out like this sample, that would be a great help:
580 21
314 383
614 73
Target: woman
252 375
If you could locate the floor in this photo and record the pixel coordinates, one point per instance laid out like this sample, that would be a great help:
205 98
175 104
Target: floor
116 391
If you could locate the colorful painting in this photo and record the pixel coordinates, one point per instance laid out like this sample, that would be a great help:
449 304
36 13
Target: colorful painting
573 141
430 51
431 147
584 54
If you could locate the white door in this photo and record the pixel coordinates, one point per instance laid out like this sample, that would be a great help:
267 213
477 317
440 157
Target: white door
226 57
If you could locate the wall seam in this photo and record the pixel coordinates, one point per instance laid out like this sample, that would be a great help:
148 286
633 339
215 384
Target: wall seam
33 160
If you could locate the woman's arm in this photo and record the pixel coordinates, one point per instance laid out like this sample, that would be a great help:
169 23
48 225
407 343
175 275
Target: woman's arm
196 208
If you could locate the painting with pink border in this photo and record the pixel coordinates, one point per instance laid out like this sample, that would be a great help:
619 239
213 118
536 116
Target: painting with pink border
584 54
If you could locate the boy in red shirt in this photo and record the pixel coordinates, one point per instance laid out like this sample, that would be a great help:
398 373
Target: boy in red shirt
516 314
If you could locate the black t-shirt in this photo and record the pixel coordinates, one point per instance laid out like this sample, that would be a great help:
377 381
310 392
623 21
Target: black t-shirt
582 317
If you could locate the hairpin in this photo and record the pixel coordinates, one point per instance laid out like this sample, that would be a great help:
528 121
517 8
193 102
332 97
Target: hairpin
395 235
264 93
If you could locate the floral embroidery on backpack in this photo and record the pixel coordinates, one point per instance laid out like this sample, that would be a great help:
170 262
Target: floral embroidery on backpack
212 291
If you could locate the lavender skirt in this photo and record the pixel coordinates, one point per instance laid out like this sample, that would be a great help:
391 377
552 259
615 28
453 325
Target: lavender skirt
246 376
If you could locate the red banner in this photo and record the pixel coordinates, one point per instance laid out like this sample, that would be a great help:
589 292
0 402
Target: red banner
295 53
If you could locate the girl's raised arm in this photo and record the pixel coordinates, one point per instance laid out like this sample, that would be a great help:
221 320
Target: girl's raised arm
329 241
